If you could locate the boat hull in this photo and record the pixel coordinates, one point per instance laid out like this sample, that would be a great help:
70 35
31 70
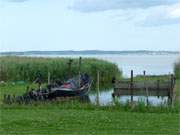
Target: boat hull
70 93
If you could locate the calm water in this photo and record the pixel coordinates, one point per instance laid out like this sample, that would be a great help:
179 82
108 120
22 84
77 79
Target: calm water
105 98
153 64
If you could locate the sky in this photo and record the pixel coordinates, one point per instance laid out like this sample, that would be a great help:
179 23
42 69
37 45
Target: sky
52 25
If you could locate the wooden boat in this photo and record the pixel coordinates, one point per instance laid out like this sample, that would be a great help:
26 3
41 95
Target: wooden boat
64 92
77 86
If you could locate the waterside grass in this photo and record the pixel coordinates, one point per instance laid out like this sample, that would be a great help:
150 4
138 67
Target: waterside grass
75 117
29 68
76 103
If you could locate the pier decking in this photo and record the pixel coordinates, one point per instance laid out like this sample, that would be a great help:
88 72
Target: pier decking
145 87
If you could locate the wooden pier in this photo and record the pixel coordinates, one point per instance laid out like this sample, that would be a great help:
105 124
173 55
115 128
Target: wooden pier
145 87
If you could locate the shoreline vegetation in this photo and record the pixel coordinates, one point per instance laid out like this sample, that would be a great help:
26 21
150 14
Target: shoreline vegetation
69 116
27 69
75 117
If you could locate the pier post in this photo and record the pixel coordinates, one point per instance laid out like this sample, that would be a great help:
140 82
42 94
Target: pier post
171 90
131 85
49 78
98 79
69 68
146 88
158 87
80 59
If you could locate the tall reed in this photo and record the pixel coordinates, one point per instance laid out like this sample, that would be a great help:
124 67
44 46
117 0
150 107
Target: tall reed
28 68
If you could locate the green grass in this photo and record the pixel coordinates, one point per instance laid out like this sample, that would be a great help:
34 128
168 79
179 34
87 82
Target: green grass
73 117
77 118
28 68
52 121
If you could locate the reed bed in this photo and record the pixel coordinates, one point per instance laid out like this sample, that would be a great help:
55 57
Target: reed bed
28 68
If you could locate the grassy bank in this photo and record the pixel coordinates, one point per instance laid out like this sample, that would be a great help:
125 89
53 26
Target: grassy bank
73 117
52 121
28 68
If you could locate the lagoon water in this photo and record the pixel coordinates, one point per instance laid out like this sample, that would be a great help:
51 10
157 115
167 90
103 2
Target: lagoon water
153 64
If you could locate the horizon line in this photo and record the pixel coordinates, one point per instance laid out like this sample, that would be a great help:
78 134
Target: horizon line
88 50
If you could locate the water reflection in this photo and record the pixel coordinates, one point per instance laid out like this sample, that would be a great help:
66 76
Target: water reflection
105 98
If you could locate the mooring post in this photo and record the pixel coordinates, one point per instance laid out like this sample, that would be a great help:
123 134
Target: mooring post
80 59
171 90
49 78
98 79
132 86
69 68
146 88
158 87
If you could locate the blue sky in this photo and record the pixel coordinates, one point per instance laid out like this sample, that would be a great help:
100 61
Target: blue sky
89 25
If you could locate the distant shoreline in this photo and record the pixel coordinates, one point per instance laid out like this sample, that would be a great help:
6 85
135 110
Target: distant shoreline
91 52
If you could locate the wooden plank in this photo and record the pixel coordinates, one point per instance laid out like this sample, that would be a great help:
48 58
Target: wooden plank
140 92
140 85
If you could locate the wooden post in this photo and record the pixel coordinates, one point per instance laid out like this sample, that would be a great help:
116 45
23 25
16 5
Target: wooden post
132 86
158 87
146 88
49 78
80 59
69 68
98 79
171 90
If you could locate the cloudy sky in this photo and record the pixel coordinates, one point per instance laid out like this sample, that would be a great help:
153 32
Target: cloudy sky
89 24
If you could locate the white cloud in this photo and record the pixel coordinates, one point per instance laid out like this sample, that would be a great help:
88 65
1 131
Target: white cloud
144 12
103 5
175 13
162 15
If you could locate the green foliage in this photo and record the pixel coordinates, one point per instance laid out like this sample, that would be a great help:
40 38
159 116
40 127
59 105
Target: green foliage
27 68
177 69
